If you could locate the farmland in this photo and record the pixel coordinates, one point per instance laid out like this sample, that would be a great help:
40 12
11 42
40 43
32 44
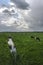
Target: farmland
29 51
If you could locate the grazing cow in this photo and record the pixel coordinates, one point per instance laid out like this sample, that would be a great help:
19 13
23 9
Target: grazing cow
11 45
37 38
12 48
32 36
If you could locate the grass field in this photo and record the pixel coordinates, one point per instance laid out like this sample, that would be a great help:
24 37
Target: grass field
29 51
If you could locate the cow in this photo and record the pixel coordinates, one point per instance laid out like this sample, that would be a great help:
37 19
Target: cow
32 36
37 38
12 48
11 45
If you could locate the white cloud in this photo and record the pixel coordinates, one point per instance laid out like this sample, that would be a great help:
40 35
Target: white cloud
2 9
19 21
12 4
8 22
14 17
11 20
15 22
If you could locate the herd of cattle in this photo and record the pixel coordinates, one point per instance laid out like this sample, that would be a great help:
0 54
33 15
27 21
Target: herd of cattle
36 38
12 45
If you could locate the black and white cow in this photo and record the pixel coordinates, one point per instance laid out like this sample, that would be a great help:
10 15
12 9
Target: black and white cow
37 38
11 45
32 36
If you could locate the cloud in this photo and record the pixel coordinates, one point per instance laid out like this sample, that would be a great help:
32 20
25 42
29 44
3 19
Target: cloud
22 4
35 17
17 16
11 17
11 21
3 9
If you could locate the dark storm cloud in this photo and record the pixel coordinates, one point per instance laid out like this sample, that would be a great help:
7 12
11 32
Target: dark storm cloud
22 4
6 11
37 14
35 17
11 13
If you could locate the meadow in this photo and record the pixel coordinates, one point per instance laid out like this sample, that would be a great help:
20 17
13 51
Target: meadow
29 51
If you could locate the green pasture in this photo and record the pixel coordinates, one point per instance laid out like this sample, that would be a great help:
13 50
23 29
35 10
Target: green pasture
29 51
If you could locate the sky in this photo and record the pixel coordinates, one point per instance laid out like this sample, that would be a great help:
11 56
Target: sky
21 15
